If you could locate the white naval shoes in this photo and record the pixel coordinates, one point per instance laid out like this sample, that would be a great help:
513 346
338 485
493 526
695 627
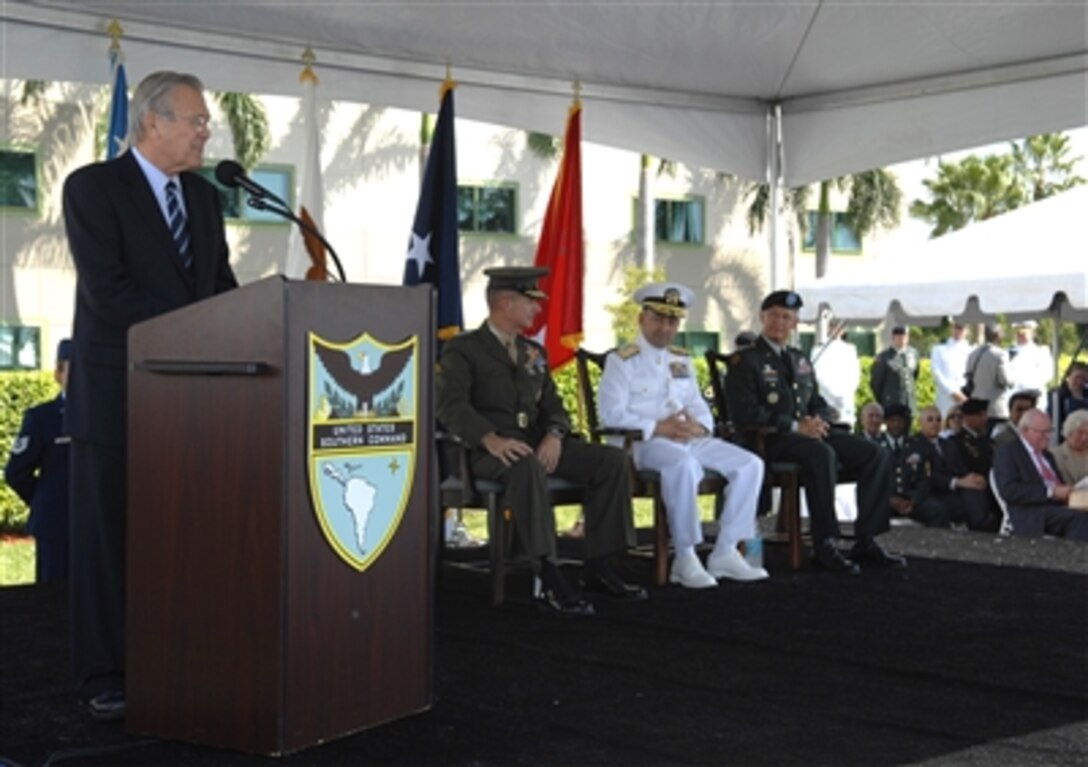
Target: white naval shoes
688 571
731 564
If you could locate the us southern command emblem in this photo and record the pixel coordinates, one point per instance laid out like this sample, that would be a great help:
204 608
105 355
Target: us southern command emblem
361 440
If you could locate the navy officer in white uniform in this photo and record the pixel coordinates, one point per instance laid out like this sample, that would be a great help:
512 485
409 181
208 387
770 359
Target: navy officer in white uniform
650 386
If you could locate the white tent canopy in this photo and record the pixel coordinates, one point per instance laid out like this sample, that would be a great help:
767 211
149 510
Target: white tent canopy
813 88
1025 264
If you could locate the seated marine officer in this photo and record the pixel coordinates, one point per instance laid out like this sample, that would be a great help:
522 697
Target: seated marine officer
495 391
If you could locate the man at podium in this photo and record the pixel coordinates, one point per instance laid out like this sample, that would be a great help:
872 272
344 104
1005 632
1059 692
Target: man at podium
147 237
495 391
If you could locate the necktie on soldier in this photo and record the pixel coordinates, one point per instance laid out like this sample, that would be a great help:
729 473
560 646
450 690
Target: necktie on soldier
179 226
788 363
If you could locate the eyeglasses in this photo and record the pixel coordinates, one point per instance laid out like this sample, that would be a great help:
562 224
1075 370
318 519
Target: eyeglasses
197 122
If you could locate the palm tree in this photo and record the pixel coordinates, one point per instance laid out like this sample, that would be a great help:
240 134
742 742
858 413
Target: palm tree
978 188
1044 166
973 189
248 123
875 199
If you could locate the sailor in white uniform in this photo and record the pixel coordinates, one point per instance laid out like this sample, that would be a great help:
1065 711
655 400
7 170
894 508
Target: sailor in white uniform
650 386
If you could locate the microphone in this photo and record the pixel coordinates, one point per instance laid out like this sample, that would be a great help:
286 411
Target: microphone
231 174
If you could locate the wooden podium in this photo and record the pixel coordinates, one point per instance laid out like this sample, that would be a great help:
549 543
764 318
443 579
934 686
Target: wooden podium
280 499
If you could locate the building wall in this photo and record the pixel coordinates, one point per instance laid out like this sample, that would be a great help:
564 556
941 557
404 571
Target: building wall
370 175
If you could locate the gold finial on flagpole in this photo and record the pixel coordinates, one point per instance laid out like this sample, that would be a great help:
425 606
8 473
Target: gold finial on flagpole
576 86
448 84
308 59
116 32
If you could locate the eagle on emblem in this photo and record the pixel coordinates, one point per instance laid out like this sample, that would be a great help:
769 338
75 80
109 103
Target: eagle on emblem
364 386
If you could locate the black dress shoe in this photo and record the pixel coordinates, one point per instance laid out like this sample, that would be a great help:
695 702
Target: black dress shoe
548 601
828 557
106 706
872 553
605 581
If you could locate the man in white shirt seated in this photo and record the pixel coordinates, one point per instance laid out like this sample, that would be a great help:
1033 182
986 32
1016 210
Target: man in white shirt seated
650 386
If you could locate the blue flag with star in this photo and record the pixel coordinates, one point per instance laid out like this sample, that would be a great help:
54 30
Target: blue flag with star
433 249
118 127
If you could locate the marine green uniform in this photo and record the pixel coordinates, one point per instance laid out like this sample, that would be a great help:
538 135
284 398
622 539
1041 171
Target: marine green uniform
480 390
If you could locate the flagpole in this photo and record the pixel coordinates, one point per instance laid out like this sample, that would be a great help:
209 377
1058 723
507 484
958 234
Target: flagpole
117 128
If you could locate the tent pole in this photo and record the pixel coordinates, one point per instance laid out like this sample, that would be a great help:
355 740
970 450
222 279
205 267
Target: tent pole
774 183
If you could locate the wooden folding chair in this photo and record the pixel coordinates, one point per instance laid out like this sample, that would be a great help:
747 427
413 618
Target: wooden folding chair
459 488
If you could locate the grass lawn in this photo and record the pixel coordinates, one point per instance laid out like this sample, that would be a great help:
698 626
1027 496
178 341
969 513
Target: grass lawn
565 516
17 553
16 560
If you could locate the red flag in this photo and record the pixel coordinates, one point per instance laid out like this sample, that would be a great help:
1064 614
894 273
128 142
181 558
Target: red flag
562 250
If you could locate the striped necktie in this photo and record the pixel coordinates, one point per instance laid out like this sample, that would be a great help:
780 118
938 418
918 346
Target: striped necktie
179 227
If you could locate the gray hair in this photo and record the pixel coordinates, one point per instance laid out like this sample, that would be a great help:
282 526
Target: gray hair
1074 421
153 95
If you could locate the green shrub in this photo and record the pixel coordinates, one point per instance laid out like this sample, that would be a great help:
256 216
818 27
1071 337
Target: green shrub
18 391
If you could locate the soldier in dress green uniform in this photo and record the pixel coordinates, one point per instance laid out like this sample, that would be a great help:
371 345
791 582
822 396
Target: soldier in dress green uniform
895 372
772 384
495 391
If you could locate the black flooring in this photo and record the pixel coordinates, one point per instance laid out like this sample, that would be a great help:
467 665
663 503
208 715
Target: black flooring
976 654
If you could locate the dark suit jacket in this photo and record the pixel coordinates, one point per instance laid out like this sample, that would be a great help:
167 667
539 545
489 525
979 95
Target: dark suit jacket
1021 487
38 469
128 271
480 389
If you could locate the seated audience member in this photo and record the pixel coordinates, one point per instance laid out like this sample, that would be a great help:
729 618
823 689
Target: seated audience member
1027 480
970 456
744 339
872 423
953 422
920 470
897 420
649 386
1071 396
1019 403
1072 454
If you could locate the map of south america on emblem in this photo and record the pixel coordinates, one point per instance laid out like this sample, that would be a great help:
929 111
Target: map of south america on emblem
358 499
361 440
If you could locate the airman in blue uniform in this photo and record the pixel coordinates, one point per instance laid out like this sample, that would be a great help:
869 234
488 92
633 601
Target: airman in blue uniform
38 473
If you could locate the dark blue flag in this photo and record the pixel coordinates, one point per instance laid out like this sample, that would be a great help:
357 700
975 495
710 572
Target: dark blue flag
118 128
433 250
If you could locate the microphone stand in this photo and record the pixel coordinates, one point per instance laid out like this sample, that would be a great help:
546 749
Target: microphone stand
280 208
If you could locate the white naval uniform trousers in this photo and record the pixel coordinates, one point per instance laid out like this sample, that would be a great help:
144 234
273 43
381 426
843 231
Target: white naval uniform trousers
642 386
